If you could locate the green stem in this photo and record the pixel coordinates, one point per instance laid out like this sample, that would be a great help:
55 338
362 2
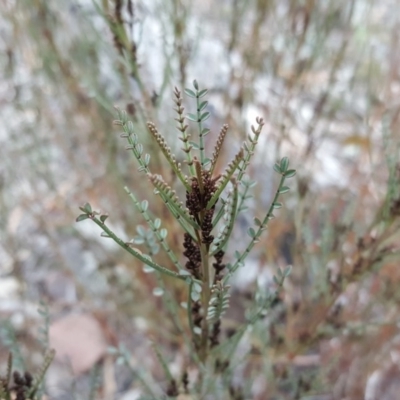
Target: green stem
242 198
260 229
228 230
156 231
186 145
220 213
249 152
226 178
136 253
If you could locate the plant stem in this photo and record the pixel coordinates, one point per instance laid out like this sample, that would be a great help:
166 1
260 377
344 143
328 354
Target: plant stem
261 228
136 253
201 144
205 298
156 231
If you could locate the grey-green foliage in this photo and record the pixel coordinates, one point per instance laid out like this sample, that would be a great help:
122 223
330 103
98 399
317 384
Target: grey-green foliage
44 329
10 341
207 217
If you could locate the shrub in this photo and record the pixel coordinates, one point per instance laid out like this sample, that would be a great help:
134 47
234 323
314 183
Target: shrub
212 205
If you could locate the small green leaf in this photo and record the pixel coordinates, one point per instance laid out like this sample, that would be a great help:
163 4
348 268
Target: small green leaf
157 223
105 235
206 161
155 248
147 269
122 115
192 117
87 208
138 240
147 159
284 189
205 131
257 222
287 271
284 164
290 173
251 184
140 230
130 127
277 168
144 204
146 256
202 93
195 145
163 233
202 105
277 205
103 218
251 232
195 85
205 116
195 296
197 287
82 217
190 93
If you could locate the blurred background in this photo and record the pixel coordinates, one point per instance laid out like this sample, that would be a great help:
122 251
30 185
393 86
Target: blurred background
324 75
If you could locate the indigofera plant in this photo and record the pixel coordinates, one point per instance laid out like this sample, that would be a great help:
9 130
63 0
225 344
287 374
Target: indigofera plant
207 217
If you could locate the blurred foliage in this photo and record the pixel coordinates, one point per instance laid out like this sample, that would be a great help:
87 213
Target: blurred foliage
324 75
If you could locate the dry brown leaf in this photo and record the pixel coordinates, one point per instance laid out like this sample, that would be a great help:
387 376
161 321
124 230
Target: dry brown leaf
79 340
